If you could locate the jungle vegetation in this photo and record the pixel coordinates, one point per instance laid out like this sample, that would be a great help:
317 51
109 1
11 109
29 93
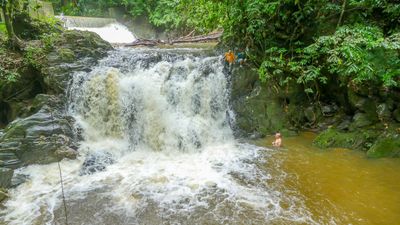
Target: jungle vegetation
310 42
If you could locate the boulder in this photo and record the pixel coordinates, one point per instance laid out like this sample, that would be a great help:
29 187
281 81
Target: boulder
329 110
257 111
5 177
18 179
312 114
96 162
35 139
362 120
385 147
396 114
66 152
74 51
383 112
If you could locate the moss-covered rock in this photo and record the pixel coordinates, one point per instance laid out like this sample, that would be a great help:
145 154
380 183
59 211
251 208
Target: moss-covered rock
332 138
362 120
385 147
73 51
66 55
257 110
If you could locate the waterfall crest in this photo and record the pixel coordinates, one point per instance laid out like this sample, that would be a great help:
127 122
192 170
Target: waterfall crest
107 28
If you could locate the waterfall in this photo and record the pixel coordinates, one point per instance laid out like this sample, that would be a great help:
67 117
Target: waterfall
164 102
107 28
157 147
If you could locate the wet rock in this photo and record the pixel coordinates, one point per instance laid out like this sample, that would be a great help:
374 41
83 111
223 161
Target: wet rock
35 139
396 114
257 111
383 112
18 179
66 152
3 195
8 158
66 55
5 177
344 125
75 51
362 103
361 120
41 100
96 162
329 110
390 104
312 114
385 147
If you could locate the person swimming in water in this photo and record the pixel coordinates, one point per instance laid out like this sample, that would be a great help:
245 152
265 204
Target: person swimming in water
278 140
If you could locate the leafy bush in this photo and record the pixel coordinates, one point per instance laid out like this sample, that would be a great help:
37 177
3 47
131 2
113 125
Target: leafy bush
3 28
357 54
34 56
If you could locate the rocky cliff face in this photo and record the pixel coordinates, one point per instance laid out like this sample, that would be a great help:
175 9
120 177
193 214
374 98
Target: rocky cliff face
366 119
259 111
44 133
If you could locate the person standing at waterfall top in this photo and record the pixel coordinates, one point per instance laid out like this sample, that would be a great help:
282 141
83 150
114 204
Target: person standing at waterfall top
230 57
278 140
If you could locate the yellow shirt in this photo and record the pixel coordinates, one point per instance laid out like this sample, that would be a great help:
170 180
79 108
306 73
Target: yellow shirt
229 57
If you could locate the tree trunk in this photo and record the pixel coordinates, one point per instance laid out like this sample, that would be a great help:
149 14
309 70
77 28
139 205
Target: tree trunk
342 13
7 7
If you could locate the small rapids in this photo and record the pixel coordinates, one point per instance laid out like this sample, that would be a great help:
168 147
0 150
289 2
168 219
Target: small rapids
157 148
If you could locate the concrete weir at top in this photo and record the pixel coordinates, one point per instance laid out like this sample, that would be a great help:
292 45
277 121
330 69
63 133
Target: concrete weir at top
109 29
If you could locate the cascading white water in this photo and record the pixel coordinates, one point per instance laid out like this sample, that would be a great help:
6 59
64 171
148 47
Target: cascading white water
157 148
108 29
114 33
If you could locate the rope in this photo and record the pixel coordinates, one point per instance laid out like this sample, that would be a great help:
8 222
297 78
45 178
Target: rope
61 178
63 196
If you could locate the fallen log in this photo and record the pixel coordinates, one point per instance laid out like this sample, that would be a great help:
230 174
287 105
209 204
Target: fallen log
145 42
200 38
185 39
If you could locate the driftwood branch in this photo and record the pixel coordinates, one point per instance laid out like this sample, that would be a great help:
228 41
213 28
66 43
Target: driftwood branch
185 39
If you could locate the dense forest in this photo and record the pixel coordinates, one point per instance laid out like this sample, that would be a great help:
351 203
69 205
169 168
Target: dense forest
309 42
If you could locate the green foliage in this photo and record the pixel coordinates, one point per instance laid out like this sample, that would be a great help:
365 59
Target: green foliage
8 66
359 54
49 40
34 56
3 28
